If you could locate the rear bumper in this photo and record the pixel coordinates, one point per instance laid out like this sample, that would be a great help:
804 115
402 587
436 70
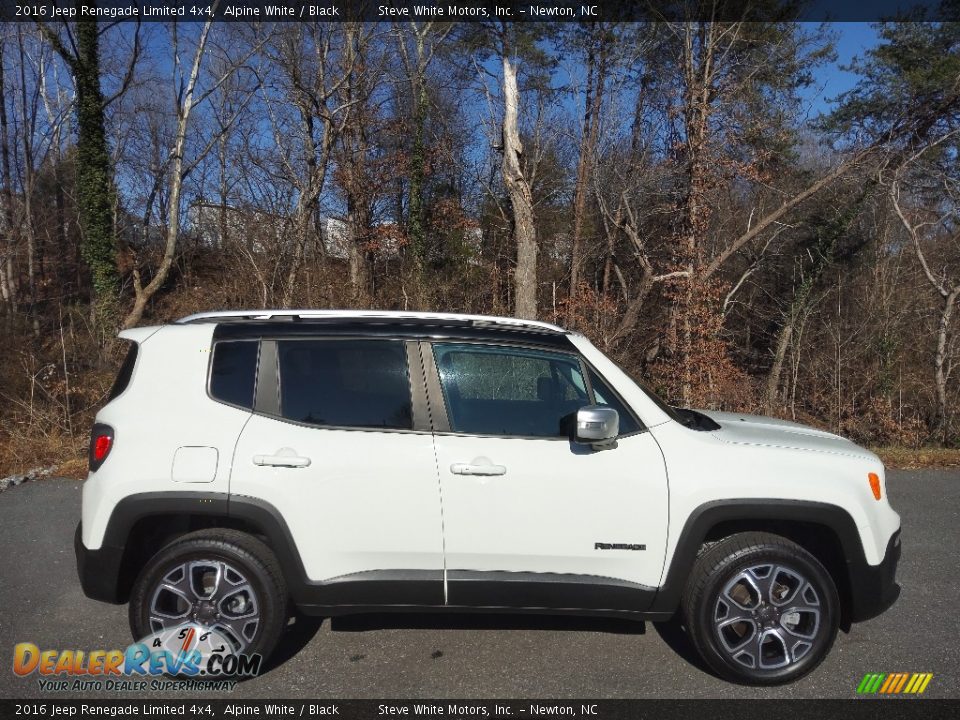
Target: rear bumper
99 570
873 588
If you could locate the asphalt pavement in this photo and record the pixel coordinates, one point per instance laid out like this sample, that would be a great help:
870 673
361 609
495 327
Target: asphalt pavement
423 656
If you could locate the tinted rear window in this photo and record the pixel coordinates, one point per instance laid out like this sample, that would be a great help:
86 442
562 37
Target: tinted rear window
125 372
345 383
234 372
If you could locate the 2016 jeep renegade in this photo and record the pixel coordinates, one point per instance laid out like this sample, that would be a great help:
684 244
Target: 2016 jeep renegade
358 461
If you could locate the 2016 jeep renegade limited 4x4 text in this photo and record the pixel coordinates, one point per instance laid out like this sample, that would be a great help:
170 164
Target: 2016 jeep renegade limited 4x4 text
348 462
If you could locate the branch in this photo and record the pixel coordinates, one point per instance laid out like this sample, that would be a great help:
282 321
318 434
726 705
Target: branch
57 44
782 210
128 76
914 236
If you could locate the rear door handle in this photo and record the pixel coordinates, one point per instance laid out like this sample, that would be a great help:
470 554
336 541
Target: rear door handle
285 457
476 468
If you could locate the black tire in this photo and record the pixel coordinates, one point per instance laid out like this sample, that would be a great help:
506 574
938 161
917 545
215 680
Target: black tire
783 641
246 554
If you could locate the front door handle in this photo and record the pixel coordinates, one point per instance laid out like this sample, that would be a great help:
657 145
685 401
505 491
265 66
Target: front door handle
285 457
480 466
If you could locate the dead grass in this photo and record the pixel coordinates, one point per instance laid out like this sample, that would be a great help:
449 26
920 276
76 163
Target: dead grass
74 468
21 453
903 458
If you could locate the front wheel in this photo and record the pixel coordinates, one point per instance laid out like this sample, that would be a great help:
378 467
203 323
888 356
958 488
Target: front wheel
760 609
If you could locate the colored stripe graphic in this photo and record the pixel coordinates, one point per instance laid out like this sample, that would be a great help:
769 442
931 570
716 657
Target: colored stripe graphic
870 683
894 683
918 683
903 681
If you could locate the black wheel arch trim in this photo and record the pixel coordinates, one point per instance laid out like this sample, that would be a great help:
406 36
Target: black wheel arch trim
870 589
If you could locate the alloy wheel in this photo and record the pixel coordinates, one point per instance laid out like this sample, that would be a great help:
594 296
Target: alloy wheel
209 592
767 617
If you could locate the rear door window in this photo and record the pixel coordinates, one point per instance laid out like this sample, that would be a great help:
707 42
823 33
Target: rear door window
345 383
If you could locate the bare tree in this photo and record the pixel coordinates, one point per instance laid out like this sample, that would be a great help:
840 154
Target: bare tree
521 197
598 50
310 80
81 53
187 97
8 288
937 222
426 38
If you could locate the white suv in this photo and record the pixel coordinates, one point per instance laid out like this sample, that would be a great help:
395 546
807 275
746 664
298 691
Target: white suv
348 462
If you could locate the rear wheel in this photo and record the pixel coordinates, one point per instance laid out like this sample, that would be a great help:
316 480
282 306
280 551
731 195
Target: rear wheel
760 609
221 579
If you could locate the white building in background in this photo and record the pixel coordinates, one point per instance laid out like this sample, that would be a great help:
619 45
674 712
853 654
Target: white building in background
265 232
260 231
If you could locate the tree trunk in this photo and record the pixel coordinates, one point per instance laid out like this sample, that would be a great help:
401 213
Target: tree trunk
940 376
357 186
689 305
579 188
7 285
596 80
418 163
521 199
306 209
784 339
94 178
29 182
143 294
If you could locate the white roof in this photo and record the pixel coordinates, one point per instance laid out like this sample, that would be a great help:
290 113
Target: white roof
370 314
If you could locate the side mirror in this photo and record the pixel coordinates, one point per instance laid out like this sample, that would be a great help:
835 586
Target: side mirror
597 426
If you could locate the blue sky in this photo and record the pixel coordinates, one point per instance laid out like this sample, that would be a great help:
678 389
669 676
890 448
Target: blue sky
853 38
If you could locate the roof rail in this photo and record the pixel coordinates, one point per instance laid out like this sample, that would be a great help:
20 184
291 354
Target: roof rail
371 315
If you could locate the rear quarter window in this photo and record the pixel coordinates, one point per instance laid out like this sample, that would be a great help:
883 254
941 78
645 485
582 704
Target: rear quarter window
233 372
122 380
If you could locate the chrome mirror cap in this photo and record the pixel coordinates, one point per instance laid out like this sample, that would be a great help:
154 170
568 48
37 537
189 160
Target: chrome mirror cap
597 425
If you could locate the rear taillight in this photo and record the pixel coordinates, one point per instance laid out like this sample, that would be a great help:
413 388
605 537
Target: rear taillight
101 442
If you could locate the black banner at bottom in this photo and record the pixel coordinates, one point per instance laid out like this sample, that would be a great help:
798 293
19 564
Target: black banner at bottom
199 709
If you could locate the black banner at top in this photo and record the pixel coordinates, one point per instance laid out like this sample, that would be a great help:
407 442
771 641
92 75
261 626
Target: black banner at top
470 10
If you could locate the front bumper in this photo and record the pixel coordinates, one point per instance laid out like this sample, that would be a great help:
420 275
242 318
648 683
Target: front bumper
99 570
873 588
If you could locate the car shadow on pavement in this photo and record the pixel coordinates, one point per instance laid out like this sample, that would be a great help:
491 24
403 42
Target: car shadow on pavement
676 639
492 621
296 636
